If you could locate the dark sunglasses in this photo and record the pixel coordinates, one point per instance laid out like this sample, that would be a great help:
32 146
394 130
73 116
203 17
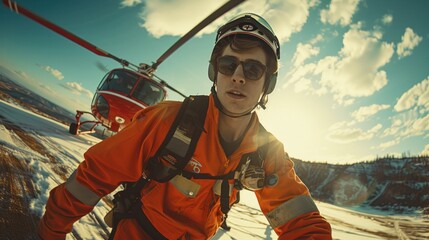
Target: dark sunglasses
253 70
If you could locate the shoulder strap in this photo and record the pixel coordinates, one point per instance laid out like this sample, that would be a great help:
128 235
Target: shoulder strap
179 145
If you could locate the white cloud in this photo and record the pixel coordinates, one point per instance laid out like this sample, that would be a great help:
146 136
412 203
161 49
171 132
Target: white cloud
47 88
303 52
364 112
417 96
77 89
347 135
130 3
342 133
420 126
303 85
385 145
387 19
23 75
340 11
339 125
425 151
54 72
355 72
285 17
175 17
316 39
408 124
409 41
297 78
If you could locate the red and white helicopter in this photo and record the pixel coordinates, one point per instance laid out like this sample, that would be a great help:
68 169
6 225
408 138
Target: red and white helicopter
123 91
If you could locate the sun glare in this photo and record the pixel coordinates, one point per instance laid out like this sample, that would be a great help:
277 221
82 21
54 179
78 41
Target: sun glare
300 124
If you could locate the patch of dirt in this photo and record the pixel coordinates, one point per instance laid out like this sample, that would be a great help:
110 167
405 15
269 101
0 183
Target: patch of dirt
16 191
17 187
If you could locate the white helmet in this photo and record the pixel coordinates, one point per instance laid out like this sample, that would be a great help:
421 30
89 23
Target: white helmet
252 25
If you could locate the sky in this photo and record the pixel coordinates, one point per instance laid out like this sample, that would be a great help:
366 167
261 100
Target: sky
245 219
353 82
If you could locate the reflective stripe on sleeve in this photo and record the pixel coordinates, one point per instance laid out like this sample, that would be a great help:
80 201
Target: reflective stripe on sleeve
81 192
290 210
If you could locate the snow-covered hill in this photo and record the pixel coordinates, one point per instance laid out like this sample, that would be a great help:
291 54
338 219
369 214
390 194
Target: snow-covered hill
389 183
37 153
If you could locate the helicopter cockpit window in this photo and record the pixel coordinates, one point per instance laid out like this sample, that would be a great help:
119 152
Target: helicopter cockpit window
120 81
148 93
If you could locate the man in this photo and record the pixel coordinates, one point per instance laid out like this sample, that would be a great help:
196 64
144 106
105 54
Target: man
243 68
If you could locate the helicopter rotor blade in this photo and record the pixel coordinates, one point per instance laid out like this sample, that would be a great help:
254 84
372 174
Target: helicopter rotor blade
101 66
164 83
21 10
173 89
216 14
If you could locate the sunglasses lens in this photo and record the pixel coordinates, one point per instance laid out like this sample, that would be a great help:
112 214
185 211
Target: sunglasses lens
253 70
227 65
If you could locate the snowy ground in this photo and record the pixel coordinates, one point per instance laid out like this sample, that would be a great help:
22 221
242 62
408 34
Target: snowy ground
36 154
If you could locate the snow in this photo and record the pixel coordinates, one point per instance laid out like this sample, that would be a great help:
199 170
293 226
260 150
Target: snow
246 220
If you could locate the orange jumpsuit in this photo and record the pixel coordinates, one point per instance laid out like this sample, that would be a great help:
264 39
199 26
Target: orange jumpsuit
122 157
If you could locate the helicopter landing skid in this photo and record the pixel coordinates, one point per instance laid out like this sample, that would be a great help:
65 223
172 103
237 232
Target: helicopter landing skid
75 128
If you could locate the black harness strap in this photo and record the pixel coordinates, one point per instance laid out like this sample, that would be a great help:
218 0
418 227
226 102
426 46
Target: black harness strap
180 143
145 223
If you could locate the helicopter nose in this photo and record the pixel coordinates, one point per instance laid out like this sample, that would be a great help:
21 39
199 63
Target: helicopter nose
119 120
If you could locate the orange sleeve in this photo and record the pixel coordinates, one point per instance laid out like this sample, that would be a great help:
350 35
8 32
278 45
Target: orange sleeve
308 224
113 161
52 226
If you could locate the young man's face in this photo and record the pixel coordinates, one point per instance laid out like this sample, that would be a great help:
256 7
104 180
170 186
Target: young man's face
237 93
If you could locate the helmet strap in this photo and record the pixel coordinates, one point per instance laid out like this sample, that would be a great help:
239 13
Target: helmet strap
261 102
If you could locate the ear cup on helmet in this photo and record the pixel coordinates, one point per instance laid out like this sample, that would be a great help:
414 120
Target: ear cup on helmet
212 72
272 80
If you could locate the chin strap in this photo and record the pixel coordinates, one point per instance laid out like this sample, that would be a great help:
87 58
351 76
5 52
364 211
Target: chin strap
219 105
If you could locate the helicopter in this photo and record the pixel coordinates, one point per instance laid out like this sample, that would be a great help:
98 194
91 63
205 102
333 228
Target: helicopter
123 91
